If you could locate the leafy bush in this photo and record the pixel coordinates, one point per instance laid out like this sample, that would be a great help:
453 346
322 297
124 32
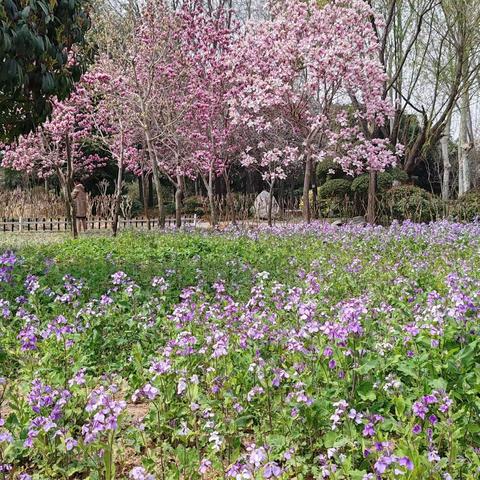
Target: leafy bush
399 175
325 169
336 187
408 202
467 207
360 183
193 205
169 208
385 181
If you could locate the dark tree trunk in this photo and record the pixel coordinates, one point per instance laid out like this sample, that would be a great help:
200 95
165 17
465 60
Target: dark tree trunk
145 181
149 179
69 187
118 196
141 193
372 192
230 202
270 204
156 180
314 196
307 214
178 202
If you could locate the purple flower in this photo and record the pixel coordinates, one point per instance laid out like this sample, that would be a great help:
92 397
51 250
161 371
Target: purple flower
105 411
328 352
147 391
205 465
368 430
6 436
272 470
70 444
405 462
78 378
419 409
5 308
383 463
433 456
417 428
139 473
257 455
31 284
28 338
7 262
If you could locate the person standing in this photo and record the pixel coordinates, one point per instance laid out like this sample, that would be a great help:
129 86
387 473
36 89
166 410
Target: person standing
79 196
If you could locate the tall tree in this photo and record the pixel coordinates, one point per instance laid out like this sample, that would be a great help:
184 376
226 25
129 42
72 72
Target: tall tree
56 148
429 48
320 85
36 59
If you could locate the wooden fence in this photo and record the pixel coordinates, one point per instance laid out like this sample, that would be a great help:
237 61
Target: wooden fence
62 225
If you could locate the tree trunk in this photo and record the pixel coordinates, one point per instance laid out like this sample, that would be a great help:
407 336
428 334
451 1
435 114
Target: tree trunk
314 196
156 180
464 146
447 166
149 189
307 215
69 187
145 182
211 200
178 202
141 190
118 196
372 192
270 203
230 202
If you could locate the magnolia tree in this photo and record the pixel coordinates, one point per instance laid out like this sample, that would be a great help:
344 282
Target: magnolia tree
312 75
55 149
176 72
207 42
177 83
154 79
118 137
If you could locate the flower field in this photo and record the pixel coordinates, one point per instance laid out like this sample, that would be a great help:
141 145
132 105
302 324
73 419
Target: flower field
302 352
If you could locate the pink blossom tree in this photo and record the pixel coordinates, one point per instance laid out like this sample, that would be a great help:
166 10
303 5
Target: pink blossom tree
117 135
154 78
207 42
313 74
177 77
55 148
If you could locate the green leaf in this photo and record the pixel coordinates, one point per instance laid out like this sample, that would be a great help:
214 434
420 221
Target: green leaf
366 392
368 367
438 384
399 406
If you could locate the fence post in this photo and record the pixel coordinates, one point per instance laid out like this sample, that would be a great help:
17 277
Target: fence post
20 224
194 220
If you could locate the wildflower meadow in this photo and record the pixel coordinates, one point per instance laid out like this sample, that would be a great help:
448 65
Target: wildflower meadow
302 352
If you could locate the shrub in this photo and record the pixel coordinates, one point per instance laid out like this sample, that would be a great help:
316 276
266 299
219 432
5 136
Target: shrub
337 187
399 175
193 205
385 181
467 207
408 202
325 168
360 183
